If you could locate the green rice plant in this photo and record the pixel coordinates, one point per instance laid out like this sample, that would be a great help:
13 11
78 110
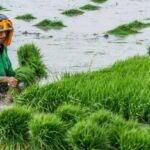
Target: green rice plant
102 117
42 99
71 114
88 135
99 1
127 29
26 17
31 97
135 140
14 129
122 88
114 124
38 66
72 12
89 7
47 24
28 51
148 50
2 8
48 133
29 55
26 75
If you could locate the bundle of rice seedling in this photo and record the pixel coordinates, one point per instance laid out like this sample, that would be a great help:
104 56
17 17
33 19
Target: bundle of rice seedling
71 114
99 1
72 12
26 75
30 97
14 129
26 17
29 55
48 133
47 24
86 135
114 125
135 139
89 7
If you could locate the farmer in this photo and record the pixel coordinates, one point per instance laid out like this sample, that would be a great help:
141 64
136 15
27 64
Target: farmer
7 74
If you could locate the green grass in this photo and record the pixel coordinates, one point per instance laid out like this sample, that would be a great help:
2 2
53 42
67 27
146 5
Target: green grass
127 29
14 129
29 55
135 140
26 17
47 24
88 135
122 88
48 133
26 75
2 8
89 7
72 12
99 1
71 114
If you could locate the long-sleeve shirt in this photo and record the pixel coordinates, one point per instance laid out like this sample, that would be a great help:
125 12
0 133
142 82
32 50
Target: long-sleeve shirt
5 64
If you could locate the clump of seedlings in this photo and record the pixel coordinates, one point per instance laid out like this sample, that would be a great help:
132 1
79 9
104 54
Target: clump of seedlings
26 75
26 17
135 140
48 133
126 93
89 7
148 50
29 55
71 114
72 12
88 135
127 29
99 1
14 129
47 24
2 8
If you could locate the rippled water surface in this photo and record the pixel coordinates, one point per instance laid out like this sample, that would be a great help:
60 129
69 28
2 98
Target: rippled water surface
81 45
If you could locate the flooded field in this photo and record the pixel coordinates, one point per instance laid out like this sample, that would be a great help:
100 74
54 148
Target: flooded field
81 45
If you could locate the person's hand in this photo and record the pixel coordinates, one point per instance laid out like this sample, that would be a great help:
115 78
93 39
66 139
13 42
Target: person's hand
12 81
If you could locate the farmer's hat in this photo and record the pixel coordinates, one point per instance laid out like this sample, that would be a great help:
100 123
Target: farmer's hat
6 25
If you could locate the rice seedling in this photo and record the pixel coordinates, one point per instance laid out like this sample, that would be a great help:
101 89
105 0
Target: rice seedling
127 29
148 50
114 125
26 17
47 24
29 55
72 12
2 8
48 133
14 129
88 135
135 140
89 7
122 88
38 66
71 114
99 1
28 51
31 97
26 75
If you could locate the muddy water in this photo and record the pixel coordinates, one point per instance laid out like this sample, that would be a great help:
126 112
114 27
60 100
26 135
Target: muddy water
80 46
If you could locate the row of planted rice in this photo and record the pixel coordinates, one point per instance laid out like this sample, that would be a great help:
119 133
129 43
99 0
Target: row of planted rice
75 113
70 127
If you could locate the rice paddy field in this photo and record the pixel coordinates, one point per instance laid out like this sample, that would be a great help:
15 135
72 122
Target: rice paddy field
84 69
